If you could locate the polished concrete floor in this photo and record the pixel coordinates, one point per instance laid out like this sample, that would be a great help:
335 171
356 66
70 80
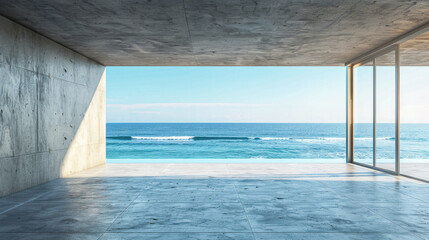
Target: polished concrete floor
418 170
220 201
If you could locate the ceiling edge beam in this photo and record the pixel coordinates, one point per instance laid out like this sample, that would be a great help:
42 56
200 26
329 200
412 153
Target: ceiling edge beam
382 48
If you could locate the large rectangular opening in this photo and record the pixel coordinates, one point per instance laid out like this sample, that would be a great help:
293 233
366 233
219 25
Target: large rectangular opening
225 114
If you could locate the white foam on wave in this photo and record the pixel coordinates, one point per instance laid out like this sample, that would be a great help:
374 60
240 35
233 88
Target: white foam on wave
275 138
178 138
319 140
305 139
370 138
188 138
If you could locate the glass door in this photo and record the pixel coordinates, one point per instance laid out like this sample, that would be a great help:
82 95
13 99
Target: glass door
363 113
385 111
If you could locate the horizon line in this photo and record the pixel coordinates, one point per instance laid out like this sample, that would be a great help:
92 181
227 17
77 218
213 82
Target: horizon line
282 122
235 122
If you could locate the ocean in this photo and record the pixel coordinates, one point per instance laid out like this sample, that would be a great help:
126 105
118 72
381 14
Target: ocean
257 142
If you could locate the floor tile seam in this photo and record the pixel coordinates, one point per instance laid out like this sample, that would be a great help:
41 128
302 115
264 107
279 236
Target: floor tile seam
390 208
301 203
119 215
23 203
185 202
331 193
199 203
397 190
380 215
346 195
51 232
411 196
183 193
178 232
79 202
387 202
338 232
245 213
256 232
352 199
356 201
189 187
101 236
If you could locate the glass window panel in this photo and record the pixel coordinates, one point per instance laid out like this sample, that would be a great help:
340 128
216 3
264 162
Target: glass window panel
414 127
363 114
385 111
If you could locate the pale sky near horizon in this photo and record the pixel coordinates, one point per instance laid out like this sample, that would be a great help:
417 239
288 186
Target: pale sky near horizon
258 94
226 94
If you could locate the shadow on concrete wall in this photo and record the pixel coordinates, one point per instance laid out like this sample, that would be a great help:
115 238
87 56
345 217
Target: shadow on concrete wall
88 143
52 110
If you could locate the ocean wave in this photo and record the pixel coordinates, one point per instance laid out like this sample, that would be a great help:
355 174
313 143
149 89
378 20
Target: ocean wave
298 139
275 138
169 138
370 138
120 137
187 138
200 138
318 139
224 138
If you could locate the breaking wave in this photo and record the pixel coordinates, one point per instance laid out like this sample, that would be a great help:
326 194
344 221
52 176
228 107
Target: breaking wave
197 138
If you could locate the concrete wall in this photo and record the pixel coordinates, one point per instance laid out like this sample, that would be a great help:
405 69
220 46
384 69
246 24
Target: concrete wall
52 110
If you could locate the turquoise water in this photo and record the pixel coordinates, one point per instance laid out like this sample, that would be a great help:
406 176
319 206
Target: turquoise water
256 142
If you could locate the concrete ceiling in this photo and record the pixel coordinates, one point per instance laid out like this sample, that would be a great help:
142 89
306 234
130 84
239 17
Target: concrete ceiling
219 32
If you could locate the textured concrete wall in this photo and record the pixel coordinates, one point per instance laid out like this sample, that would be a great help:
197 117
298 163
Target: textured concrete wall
52 110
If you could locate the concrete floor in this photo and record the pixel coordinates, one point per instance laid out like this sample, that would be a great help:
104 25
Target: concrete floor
418 170
220 201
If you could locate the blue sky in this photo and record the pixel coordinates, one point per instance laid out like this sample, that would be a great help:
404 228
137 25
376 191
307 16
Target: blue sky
261 94
226 94
414 94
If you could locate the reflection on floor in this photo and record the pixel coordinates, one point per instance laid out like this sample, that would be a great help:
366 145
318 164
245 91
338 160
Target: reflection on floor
220 201
418 170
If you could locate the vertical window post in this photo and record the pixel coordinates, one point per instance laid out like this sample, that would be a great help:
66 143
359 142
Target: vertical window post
374 114
397 111
349 115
